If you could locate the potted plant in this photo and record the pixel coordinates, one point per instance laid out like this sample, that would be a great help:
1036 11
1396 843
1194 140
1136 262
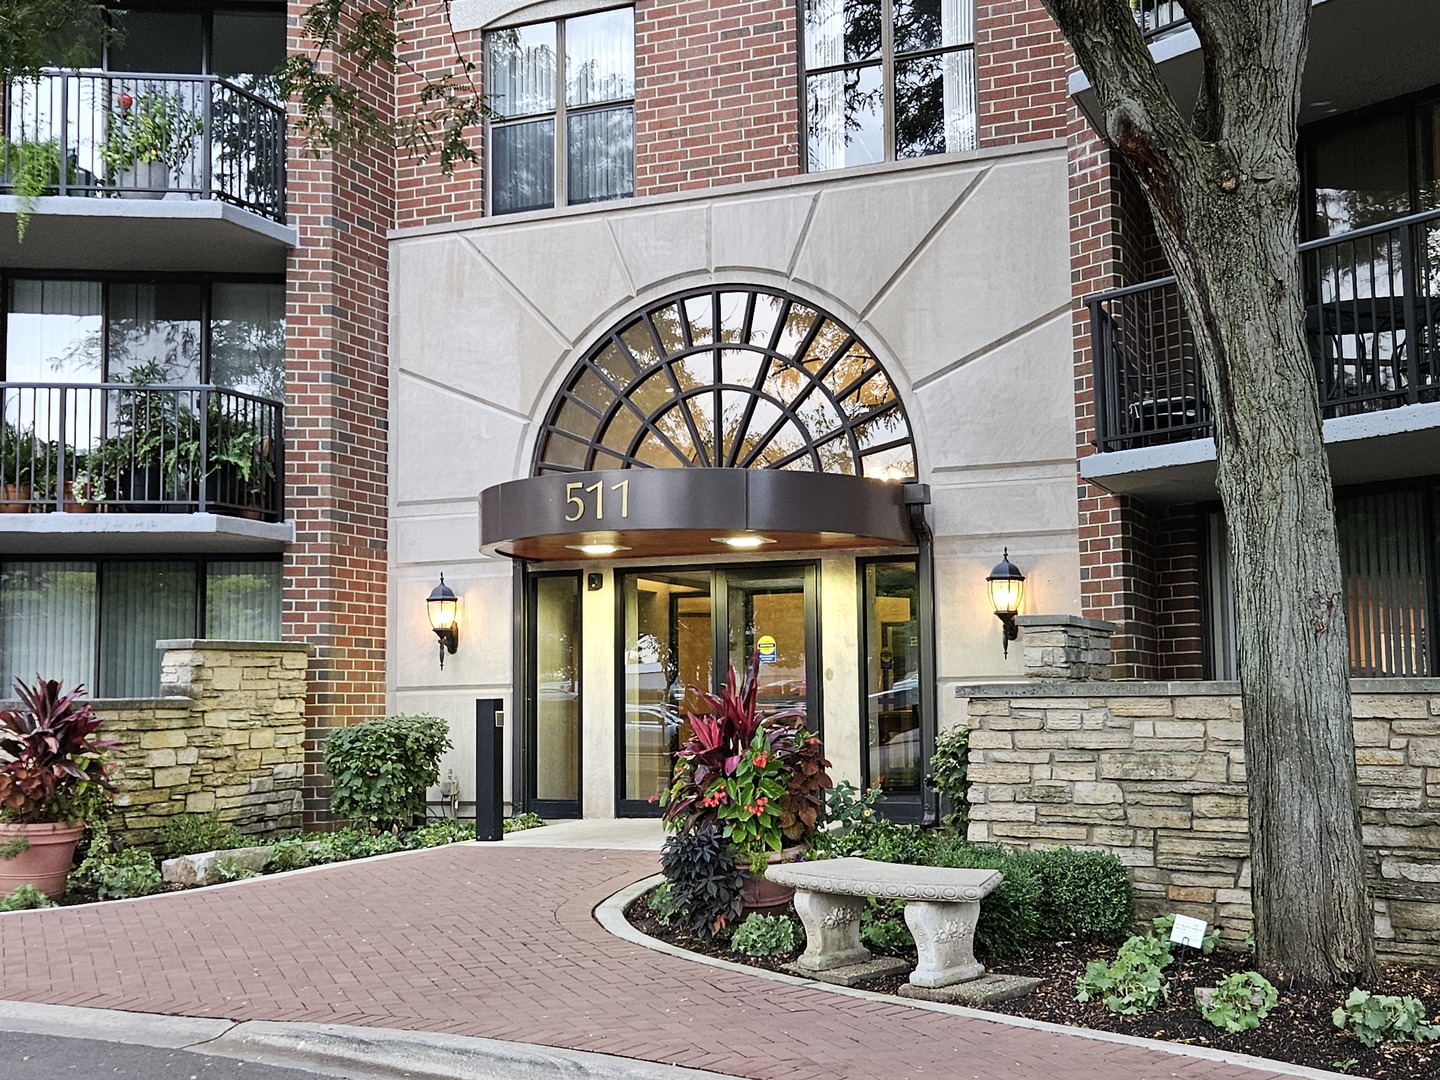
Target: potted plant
150 136
52 767
760 779
240 466
154 450
32 168
21 457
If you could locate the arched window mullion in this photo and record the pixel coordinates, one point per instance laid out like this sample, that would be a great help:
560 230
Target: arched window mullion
713 394
762 373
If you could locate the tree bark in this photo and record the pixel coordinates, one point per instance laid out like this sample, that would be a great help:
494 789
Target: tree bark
1223 189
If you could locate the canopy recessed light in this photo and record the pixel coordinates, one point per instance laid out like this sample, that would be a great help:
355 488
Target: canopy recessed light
596 549
743 543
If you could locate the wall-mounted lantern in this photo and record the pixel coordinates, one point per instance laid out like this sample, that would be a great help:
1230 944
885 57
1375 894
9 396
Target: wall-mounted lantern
442 606
1007 586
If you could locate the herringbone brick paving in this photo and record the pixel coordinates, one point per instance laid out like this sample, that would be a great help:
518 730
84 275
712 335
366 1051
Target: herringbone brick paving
487 941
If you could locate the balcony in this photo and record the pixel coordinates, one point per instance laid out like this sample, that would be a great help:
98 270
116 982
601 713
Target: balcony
173 468
115 152
1372 323
1361 52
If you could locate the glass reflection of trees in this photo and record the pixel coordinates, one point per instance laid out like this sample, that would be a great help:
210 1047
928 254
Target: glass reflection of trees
730 378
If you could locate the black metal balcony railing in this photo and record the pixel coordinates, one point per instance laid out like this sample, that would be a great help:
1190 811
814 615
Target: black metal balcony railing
119 447
1372 321
145 136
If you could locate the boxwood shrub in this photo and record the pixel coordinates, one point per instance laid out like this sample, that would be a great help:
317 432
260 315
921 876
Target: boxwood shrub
1084 895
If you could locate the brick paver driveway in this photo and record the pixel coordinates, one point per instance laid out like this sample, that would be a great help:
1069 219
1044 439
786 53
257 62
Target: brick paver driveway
499 941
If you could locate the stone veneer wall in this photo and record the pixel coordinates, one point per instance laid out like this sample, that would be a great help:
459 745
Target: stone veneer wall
1155 772
228 734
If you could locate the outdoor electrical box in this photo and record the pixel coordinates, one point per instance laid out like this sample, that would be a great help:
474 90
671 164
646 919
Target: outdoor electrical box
489 768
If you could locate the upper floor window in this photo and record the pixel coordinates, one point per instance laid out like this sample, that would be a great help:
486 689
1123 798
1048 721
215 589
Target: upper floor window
564 133
888 79
168 330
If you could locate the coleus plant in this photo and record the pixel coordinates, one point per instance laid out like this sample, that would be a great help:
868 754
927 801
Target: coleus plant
49 754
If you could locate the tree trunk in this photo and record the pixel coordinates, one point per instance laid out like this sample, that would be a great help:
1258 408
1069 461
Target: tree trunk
1223 189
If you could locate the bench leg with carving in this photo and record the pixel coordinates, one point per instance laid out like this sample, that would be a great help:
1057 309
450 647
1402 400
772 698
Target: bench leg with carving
832 930
945 939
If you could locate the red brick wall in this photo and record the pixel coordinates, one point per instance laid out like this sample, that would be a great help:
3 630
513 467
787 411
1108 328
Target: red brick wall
716 94
1022 62
336 399
424 195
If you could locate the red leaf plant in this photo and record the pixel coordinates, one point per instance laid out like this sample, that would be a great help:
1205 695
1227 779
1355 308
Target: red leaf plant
761 779
49 754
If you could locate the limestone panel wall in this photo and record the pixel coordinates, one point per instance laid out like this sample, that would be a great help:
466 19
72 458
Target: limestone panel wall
1155 772
229 734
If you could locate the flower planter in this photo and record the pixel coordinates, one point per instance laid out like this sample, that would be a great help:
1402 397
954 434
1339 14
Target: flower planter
72 505
15 498
761 894
46 863
145 180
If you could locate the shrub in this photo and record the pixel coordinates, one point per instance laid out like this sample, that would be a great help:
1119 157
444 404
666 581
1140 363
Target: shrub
121 875
662 903
381 768
1132 983
438 833
291 853
704 882
50 755
947 775
881 840
1085 895
1379 1018
848 806
519 823
25 898
229 869
1240 1001
1009 916
191 834
882 925
765 935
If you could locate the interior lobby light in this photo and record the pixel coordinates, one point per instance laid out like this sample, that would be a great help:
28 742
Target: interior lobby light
597 549
1007 586
743 543
442 606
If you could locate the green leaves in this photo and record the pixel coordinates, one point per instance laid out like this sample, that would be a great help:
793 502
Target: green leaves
381 768
1379 1018
765 935
1240 1001
1133 982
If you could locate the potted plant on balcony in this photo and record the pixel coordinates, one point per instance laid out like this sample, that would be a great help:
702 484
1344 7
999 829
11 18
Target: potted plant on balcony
53 768
150 136
20 458
240 467
151 458
760 779
32 168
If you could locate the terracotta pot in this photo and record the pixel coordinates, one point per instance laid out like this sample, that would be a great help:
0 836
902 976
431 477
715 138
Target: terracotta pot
761 894
15 499
73 507
46 863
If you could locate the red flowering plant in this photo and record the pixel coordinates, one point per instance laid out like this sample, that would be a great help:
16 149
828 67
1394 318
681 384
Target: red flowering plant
761 779
50 756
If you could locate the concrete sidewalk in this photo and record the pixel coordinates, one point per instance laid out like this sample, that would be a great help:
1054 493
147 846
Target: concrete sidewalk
499 941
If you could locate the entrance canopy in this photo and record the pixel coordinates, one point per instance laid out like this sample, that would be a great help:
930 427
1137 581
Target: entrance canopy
641 513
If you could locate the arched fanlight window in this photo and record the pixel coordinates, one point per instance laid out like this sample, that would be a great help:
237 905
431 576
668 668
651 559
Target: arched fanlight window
729 377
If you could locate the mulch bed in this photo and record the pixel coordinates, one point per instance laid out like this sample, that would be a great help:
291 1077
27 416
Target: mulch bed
1298 1030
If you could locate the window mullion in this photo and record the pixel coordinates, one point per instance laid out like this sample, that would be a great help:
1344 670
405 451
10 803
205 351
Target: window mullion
562 149
887 74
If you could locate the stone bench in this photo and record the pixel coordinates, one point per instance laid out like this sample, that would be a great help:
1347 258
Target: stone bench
942 906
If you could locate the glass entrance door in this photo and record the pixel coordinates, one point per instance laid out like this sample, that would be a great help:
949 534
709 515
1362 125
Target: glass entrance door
683 630
555 695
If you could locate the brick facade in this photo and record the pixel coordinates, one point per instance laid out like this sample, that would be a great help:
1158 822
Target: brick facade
337 390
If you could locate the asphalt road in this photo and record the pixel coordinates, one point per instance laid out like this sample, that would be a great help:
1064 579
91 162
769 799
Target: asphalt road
47 1057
